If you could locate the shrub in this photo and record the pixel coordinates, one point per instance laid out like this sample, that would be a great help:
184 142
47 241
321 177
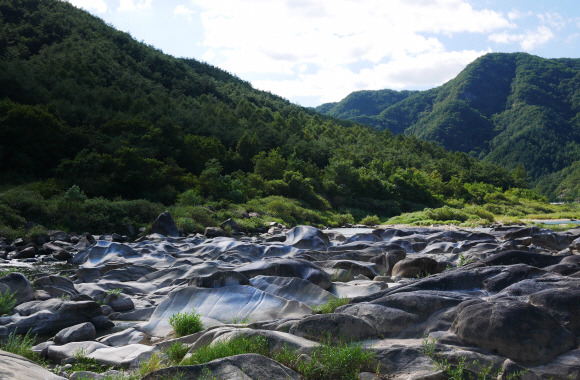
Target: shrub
370 220
329 362
186 323
235 346
176 352
21 345
446 213
7 302
332 304
154 363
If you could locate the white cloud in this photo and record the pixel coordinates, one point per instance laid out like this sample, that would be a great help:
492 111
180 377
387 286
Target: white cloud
98 6
333 82
131 5
555 20
263 39
528 41
517 14
182 10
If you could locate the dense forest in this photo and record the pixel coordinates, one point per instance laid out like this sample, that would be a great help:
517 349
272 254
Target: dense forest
90 117
511 109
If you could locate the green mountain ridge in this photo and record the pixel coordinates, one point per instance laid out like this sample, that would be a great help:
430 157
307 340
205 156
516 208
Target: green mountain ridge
508 108
91 119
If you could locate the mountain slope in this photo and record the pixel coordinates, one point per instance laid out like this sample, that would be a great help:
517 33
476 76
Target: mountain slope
512 109
84 104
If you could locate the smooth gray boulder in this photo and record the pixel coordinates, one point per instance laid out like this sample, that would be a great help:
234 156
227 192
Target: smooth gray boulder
165 225
306 237
56 286
287 268
119 302
221 305
16 367
388 321
416 267
17 283
50 316
77 333
238 367
220 279
517 330
292 288
333 327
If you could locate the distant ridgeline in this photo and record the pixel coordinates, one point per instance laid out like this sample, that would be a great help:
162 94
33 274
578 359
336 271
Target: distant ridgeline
511 109
84 104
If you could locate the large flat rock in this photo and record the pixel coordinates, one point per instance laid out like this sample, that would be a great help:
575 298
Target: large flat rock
222 305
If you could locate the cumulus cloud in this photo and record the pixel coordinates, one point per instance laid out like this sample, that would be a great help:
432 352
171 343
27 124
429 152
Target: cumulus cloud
131 5
528 41
182 10
398 39
98 6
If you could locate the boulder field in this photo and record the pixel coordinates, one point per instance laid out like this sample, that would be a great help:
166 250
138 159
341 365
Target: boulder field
508 297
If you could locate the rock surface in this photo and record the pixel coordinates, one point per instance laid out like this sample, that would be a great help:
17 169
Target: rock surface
508 298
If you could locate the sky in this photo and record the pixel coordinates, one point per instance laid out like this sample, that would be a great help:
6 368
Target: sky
317 51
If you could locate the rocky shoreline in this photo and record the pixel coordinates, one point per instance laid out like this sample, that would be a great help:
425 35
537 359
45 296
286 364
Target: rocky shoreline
508 298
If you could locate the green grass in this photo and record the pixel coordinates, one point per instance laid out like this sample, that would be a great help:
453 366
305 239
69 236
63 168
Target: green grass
235 346
116 291
84 363
7 302
22 345
176 352
331 305
329 362
462 369
186 323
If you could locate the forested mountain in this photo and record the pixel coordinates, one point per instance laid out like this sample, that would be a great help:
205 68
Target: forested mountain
84 104
511 109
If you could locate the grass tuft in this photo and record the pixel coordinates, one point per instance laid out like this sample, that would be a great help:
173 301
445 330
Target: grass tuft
332 304
329 362
186 323
7 302
235 346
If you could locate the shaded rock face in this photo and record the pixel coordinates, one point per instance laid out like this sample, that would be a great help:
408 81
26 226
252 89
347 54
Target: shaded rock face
238 367
333 327
505 297
514 329
165 225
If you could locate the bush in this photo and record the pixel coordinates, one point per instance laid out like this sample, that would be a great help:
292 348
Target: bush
370 220
332 304
186 323
21 345
7 302
446 213
176 352
235 346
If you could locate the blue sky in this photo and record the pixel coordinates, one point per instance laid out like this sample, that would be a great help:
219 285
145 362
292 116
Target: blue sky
317 51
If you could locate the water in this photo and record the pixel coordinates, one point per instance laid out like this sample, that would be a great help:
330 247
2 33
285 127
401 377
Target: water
558 221
348 232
